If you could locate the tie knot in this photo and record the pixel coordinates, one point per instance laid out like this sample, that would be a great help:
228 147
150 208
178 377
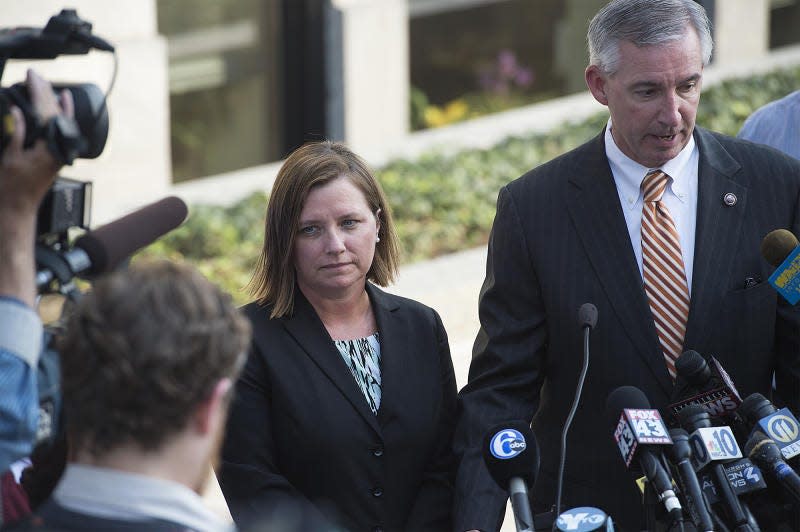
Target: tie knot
653 185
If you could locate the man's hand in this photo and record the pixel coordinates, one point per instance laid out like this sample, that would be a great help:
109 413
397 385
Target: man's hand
25 176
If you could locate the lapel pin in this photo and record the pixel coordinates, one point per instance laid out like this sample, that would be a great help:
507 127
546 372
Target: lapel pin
729 199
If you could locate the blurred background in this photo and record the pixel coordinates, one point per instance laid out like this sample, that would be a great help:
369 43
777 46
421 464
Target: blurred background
447 99
211 92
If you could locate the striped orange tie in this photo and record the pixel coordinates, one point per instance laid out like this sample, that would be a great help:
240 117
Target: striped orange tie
662 266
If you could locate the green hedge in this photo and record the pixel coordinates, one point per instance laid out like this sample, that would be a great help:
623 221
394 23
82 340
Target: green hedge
440 203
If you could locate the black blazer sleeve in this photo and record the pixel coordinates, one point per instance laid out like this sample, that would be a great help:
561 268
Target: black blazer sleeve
432 509
506 369
253 487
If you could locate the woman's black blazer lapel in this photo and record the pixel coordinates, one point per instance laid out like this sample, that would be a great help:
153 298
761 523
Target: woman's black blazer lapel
394 339
310 334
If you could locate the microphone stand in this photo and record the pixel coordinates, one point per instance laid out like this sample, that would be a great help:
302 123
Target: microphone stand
588 317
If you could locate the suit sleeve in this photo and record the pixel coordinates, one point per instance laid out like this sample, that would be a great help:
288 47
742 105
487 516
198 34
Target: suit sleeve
507 366
787 344
432 508
254 489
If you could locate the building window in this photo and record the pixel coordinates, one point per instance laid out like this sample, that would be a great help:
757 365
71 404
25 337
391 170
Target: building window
473 57
224 96
784 19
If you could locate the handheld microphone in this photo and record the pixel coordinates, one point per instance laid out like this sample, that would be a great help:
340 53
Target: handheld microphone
638 431
703 382
780 248
780 426
680 454
764 452
511 455
103 249
710 445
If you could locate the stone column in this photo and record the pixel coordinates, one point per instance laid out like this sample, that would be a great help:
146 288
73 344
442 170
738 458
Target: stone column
368 73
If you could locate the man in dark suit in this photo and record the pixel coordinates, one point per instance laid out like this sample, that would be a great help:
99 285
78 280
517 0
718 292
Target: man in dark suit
579 229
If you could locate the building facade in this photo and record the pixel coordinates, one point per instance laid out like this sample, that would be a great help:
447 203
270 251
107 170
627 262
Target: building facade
210 94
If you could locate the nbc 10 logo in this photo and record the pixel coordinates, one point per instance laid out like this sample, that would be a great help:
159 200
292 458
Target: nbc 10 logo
506 444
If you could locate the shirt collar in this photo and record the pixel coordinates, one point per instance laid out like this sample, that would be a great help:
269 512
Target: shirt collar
628 174
116 494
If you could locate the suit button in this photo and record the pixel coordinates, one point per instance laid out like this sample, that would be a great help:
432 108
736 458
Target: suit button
377 451
377 492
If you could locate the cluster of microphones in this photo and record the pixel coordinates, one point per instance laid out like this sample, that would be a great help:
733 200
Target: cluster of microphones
711 461
723 464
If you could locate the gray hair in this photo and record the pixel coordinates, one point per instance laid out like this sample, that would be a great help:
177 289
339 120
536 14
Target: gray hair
644 23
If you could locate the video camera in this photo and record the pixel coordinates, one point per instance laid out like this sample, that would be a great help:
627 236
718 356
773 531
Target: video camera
67 204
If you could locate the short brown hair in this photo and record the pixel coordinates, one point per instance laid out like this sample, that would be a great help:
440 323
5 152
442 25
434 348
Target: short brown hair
309 166
141 351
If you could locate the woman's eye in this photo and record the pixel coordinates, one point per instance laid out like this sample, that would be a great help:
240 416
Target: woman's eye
349 223
308 230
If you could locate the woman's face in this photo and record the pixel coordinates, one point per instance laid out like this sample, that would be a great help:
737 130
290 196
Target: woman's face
335 240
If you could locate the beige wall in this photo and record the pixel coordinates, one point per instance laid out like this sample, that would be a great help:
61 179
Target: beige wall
741 30
375 72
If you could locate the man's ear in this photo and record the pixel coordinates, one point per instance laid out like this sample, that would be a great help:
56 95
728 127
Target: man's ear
210 414
596 81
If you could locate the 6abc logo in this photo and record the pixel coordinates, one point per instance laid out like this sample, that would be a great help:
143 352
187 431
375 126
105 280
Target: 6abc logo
507 443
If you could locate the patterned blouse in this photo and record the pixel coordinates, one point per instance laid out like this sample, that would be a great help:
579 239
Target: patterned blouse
363 357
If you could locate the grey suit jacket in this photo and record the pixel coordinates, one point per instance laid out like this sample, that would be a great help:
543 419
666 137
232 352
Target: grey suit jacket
301 431
559 240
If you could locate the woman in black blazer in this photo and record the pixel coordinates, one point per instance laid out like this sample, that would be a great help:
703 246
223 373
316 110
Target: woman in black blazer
347 403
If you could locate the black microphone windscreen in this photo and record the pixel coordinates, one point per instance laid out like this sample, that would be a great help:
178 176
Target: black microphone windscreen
692 417
587 315
109 245
680 448
754 407
510 450
622 398
762 449
777 245
693 367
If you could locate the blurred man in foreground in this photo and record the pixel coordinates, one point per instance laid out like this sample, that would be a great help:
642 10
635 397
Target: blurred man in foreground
148 359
